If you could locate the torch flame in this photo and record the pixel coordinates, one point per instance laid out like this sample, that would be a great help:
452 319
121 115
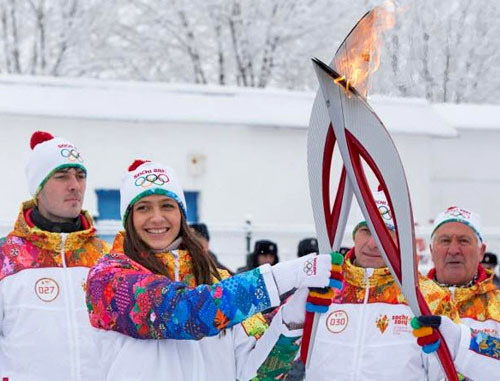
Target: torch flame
359 55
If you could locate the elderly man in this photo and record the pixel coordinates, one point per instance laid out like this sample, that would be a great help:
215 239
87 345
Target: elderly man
366 332
457 249
44 328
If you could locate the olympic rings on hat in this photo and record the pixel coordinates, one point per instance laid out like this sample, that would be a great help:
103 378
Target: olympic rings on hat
71 154
385 212
457 213
152 179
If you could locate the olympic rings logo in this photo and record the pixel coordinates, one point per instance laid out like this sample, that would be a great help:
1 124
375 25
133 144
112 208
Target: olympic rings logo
310 267
151 179
71 154
457 213
385 212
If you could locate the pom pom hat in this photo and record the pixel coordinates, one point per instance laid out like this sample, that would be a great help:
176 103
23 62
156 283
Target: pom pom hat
48 155
462 215
145 178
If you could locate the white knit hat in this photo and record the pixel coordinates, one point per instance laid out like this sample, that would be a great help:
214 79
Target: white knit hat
145 178
49 155
384 210
462 215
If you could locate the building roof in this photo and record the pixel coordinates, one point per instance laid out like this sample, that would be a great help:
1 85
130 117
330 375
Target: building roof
184 103
470 116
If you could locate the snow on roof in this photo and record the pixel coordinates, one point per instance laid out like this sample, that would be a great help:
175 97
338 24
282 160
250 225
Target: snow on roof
410 116
146 101
470 116
184 103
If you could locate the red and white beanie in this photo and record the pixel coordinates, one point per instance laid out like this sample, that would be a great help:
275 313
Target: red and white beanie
462 215
48 155
145 178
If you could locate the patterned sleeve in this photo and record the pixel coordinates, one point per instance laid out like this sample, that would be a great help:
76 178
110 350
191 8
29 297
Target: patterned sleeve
137 303
485 345
478 356
265 352
280 360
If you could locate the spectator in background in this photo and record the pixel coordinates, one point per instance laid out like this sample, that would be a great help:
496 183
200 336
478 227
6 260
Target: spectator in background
200 231
343 250
490 262
264 251
307 246
310 245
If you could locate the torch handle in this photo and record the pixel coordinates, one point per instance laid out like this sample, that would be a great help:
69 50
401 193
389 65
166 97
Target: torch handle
443 352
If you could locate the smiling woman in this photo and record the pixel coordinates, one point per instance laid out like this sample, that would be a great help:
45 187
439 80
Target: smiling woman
158 284
157 221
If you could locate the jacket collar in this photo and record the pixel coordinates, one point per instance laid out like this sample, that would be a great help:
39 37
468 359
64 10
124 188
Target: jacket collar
482 275
25 228
484 284
174 260
355 275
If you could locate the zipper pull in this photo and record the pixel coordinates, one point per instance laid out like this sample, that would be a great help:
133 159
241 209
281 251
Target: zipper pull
452 292
63 250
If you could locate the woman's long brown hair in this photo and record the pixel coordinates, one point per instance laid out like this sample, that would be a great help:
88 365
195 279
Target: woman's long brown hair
204 268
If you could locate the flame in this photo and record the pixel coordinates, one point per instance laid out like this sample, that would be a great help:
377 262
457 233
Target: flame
359 55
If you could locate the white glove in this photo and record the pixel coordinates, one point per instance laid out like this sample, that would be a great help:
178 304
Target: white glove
428 339
309 271
293 311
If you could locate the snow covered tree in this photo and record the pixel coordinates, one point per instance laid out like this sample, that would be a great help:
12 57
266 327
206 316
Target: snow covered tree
444 51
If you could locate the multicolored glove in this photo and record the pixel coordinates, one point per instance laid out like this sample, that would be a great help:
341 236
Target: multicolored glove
425 329
320 299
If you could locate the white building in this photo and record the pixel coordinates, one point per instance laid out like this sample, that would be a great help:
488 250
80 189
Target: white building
241 153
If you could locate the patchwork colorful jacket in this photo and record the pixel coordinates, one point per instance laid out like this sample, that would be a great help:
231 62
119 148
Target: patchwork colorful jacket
366 333
125 297
478 305
202 322
480 360
479 308
43 315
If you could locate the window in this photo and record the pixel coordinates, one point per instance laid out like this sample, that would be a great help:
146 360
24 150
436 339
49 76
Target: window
108 204
192 206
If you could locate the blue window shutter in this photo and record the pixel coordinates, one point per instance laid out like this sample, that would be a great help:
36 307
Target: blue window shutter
108 204
192 206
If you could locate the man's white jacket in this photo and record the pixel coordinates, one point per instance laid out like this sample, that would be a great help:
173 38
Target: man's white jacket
366 333
45 332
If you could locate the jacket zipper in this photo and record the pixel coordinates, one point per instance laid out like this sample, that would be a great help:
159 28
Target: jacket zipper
361 333
175 253
70 310
452 293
